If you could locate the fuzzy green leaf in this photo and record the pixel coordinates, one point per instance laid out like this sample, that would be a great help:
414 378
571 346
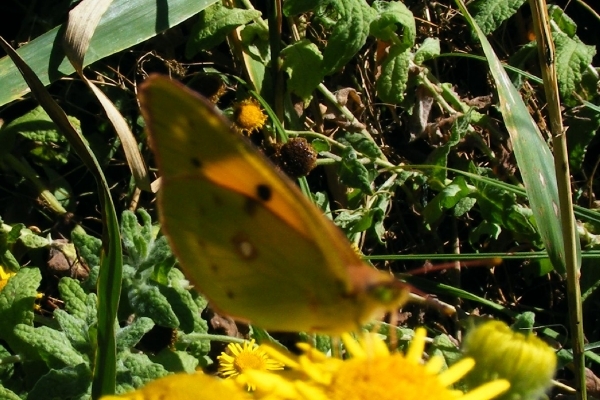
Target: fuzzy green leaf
563 21
75 329
72 382
74 297
349 34
30 239
50 145
353 173
130 335
136 370
183 306
572 59
583 124
302 61
294 7
52 345
213 26
160 258
428 50
524 322
147 301
443 346
362 144
7 394
176 361
88 247
490 14
446 199
391 16
16 302
137 238
392 82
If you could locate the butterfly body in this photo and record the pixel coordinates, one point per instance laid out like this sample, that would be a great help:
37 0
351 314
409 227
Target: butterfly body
244 234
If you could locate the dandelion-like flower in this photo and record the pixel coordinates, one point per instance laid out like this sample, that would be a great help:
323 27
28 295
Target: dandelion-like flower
244 358
248 116
5 275
185 387
523 359
371 373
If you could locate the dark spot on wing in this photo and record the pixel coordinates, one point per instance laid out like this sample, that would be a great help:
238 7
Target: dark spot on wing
195 162
250 206
264 192
214 268
230 294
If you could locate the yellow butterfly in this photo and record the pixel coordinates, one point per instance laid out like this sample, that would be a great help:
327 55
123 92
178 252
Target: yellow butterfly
244 234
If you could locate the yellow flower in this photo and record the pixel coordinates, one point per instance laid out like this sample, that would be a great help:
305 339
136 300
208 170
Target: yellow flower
371 373
524 360
244 358
5 275
185 387
248 116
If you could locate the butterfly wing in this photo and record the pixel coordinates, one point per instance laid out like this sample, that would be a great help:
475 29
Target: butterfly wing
243 233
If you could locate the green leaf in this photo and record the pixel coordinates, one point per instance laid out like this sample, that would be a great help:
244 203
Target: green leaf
16 302
75 329
393 80
130 335
353 173
500 207
302 62
320 145
125 24
443 346
361 144
355 221
294 7
391 16
147 301
489 14
183 306
446 199
427 51
213 26
583 124
49 144
485 228
52 345
137 239
136 370
176 361
572 58
349 34
74 297
7 394
524 322
563 21
72 382
533 156
88 247
161 259
439 155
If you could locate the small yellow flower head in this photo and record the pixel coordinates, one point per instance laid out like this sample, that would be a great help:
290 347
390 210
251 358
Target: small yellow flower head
372 372
248 116
244 358
185 387
5 275
523 359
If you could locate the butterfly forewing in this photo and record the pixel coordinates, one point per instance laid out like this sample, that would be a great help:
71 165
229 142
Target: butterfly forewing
243 233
